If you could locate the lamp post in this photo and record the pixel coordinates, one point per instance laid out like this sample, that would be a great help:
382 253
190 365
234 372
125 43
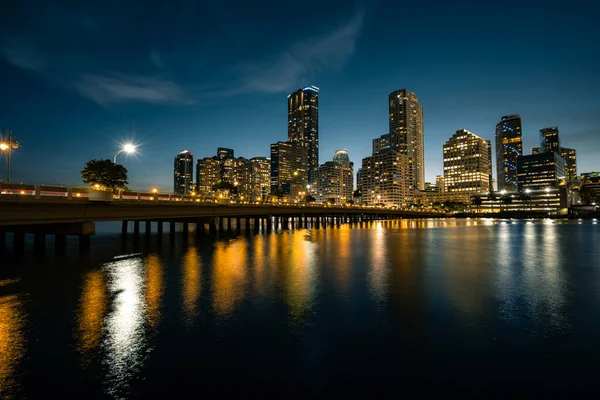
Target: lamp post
128 148
7 146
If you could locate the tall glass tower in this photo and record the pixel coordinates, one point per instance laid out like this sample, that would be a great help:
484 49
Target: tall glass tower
184 171
509 147
303 124
549 141
406 133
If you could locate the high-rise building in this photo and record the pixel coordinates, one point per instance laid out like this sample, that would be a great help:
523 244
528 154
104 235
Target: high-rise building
384 179
260 179
224 153
335 180
288 168
208 174
535 150
540 171
467 165
382 142
509 146
303 125
358 179
570 157
549 141
439 182
183 182
406 133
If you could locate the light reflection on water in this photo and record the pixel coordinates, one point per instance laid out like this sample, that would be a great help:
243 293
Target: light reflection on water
480 278
12 342
125 341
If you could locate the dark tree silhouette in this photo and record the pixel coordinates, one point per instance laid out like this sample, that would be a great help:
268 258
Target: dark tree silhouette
106 174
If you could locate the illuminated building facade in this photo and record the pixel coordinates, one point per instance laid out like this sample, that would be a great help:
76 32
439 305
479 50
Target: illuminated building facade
570 157
406 134
303 125
540 171
509 147
260 179
439 182
381 143
288 169
208 174
385 178
335 180
467 164
184 171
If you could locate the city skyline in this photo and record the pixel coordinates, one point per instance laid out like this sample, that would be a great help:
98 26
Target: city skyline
103 85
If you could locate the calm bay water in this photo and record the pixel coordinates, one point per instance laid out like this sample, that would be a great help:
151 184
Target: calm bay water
397 307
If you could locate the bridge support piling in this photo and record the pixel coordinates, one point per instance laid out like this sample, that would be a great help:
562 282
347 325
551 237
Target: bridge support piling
238 225
39 241
84 242
60 242
212 226
2 241
171 227
229 224
136 227
148 228
317 222
186 227
269 224
221 221
124 227
285 223
159 227
256 224
18 242
247 225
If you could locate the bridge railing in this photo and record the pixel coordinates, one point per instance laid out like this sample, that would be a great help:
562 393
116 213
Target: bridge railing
33 192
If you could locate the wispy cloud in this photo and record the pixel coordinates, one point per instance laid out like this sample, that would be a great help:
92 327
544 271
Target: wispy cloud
300 62
105 89
23 53
156 58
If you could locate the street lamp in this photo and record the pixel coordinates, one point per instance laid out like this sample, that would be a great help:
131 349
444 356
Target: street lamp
128 148
7 146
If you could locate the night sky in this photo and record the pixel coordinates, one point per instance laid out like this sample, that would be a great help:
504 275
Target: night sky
79 77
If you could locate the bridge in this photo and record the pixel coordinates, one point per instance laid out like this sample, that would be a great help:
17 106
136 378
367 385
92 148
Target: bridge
59 211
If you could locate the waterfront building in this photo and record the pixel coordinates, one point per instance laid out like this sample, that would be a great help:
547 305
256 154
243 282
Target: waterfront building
335 180
549 200
429 198
288 169
509 146
439 182
384 179
429 187
406 134
260 179
303 125
540 171
208 174
183 173
467 166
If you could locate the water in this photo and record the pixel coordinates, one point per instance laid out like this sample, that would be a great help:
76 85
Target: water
400 307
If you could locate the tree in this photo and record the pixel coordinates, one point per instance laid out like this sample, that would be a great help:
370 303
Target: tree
525 198
106 174
310 199
476 201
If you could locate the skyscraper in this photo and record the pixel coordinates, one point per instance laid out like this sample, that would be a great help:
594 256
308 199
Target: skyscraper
509 146
184 171
208 174
303 124
540 171
467 165
406 133
549 141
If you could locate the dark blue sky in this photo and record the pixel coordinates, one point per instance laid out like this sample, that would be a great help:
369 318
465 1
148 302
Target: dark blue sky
79 77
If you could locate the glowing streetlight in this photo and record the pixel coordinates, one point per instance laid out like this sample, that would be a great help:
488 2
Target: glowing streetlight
128 148
7 146
154 190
